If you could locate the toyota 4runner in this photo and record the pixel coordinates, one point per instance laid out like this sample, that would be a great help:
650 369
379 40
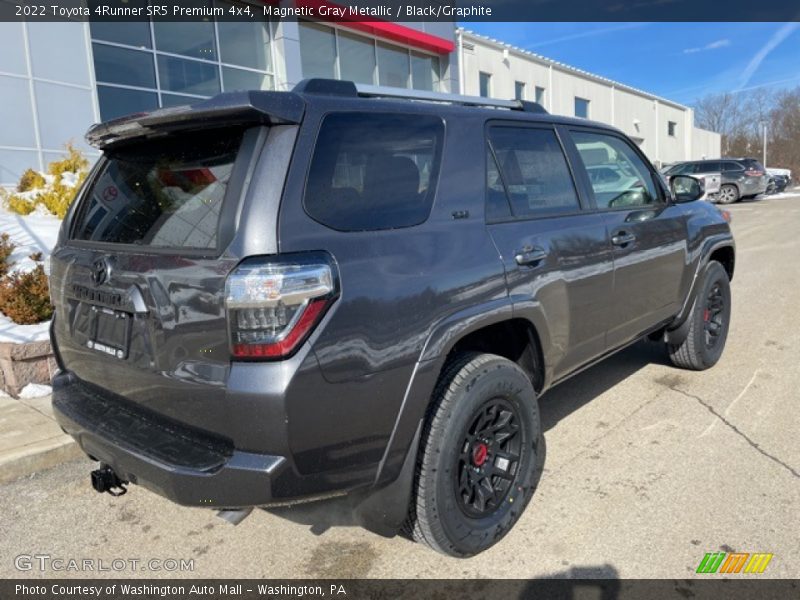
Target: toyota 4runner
274 297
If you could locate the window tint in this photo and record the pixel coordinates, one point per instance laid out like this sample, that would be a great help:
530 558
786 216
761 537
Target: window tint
619 177
708 167
732 166
374 171
167 193
497 207
534 171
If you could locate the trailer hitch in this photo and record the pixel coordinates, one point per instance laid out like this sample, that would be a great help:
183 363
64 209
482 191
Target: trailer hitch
105 479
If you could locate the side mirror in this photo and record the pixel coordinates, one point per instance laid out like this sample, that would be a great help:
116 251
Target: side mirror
686 188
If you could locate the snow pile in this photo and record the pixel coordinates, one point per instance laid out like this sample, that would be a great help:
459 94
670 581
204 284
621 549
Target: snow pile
36 232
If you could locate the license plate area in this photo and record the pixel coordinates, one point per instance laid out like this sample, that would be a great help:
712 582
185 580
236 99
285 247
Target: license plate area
109 331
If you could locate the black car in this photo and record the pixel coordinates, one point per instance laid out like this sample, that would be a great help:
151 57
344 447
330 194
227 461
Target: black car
274 297
779 183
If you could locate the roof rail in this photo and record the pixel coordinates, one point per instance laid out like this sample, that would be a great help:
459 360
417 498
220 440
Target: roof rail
336 87
376 91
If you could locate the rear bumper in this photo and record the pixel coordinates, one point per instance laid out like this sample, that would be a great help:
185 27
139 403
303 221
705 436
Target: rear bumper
185 465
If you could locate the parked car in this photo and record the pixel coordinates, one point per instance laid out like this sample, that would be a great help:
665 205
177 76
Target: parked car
339 292
740 177
781 179
781 183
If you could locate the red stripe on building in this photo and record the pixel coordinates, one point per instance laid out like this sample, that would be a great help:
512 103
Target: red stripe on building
383 29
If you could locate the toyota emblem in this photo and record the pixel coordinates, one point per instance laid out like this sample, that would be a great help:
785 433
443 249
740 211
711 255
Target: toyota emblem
101 271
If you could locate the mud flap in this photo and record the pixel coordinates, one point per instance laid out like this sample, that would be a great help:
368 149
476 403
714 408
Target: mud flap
385 510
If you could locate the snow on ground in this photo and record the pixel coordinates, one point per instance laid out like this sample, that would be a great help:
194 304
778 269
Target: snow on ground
36 232
35 390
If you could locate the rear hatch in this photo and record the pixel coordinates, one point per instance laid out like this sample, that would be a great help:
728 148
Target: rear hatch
138 277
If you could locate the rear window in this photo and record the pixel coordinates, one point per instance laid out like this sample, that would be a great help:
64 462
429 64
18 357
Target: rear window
166 193
374 171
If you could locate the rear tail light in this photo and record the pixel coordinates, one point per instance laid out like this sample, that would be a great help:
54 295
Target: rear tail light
753 173
273 304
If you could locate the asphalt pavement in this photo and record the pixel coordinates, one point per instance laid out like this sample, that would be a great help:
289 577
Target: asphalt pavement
648 468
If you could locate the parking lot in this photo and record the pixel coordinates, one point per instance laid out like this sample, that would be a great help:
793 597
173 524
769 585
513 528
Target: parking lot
648 468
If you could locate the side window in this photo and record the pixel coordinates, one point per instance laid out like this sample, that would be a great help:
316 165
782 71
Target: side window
708 167
619 177
374 171
730 166
533 172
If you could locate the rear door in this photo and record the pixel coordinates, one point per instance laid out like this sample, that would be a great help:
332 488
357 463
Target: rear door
647 233
138 277
556 254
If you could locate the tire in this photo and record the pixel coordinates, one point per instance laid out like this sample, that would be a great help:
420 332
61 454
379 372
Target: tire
728 194
709 321
452 509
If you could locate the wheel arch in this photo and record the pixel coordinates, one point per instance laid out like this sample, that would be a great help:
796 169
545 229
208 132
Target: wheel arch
477 328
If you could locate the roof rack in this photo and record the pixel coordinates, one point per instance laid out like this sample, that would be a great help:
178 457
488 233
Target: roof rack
335 87
376 91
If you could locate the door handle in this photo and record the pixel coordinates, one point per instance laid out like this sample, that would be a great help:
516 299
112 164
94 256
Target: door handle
623 238
530 255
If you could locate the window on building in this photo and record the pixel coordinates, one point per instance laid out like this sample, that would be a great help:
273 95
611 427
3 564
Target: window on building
519 90
317 51
136 71
672 126
540 95
485 84
337 53
374 171
535 176
394 69
424 71
619 177
581 107
356 58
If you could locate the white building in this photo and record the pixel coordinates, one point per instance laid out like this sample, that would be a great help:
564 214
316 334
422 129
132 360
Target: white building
664 129
56 79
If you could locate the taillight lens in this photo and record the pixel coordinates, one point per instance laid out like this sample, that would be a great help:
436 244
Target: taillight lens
274 304
753 173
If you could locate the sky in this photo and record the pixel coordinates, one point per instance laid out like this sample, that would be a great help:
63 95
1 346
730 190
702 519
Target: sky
679 61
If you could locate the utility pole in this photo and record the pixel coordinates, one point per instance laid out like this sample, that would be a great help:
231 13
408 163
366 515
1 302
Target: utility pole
764 161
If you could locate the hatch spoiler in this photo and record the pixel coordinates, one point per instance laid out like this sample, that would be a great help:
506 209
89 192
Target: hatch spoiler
230 108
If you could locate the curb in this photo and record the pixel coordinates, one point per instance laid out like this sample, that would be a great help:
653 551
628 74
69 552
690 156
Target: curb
37 456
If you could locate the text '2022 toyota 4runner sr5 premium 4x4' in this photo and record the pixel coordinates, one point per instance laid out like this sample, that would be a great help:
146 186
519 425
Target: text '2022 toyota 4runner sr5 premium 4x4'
274 297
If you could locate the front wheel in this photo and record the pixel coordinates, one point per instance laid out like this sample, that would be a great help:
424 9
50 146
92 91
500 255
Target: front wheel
480 457
708 323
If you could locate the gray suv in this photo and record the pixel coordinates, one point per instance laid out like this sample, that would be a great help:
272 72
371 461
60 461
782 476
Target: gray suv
741 177
268 298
